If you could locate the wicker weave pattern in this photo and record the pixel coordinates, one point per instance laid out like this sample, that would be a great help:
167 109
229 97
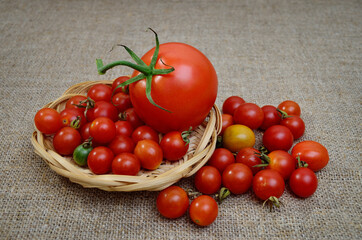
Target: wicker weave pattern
202 144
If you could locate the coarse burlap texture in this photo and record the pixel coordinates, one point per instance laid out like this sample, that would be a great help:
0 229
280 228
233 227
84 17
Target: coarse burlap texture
263 51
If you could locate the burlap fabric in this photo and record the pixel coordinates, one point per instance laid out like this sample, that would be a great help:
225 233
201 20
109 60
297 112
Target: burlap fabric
264 51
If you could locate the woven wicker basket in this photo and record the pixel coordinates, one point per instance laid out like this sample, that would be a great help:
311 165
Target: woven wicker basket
202 144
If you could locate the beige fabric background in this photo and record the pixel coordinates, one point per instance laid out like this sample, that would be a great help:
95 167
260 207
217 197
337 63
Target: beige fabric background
264 51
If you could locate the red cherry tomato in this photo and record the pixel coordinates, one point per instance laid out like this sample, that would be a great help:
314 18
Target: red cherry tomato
290 107
282 162
278 137
131 116
295 124
231 104
74 102
221 158
126 164
303 182
121 144
66 140
313 153
118 81
144 132
208 180
237 177
84 131
149 153
102 109
173 146
268 183
102 130
178 91
249 156
100 92
227 120
250 115
203 210
123 128
100 160
172 202
73 117
48 121
121 101
271 117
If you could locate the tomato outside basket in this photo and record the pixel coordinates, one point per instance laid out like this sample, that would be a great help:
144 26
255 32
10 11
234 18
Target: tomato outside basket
202 145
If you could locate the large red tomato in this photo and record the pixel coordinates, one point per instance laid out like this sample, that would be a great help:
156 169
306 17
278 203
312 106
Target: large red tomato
188 92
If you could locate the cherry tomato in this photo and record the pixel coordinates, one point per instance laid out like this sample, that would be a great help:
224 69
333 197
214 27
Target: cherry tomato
237 137
237 177
84 131
73 117
172 202
100 160
227 121
66 140
313 153
123 128
290 107
174 146
121 144
271 117
102 130
178 91
126 164
100 92
282 162
221 158
249 156
48 121
75 101
149 153
131 116
208 180
303 182
81 153
102 109
121 101
118 81
144 132
278 137
250 115
295 124
203 210
268 183
231 104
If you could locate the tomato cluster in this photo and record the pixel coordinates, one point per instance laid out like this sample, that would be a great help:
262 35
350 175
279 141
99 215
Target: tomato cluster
236 166
102 131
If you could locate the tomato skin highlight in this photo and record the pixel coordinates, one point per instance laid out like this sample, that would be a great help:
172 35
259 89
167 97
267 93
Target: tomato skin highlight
123 128
237 177
203 210
149 153
102 130
100 160
48 121
208 180
290 107
231 104
313 153
303 182
172 202
271 117
282 162
268 183
250 115
66 140
126 164
278 137
179 91
173 146
221 158
102 109
100 92
249 157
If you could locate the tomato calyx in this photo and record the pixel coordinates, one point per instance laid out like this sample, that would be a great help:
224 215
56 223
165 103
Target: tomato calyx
147 72
301 164
75 123
186 136
272 201
265 159
89 104
223 194
283 114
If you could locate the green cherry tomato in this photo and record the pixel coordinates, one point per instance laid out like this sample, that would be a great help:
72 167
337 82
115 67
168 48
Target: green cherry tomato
81 153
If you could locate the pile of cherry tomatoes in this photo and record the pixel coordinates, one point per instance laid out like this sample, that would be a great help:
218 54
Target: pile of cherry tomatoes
236 166
102 131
